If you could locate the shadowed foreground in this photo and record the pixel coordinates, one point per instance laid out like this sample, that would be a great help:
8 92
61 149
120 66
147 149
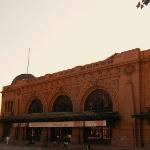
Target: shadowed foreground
3 146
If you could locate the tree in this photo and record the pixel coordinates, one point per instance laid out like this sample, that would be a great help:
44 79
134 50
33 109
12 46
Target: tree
142 3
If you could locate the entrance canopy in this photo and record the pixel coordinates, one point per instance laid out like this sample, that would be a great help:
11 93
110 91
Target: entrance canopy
61 116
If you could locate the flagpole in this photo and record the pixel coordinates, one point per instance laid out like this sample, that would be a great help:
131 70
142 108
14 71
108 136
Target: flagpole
28 61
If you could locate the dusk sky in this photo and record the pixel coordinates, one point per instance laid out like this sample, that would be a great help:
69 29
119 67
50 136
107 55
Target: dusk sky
63 34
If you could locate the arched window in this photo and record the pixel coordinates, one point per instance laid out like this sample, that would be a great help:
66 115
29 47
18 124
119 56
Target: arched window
98 101
36 107
62 104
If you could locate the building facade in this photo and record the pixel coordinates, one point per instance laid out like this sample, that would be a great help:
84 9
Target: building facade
107 102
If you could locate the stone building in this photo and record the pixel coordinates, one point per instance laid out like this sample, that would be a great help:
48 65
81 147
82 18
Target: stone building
106 102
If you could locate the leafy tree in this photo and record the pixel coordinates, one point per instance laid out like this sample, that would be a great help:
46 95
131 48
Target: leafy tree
142 3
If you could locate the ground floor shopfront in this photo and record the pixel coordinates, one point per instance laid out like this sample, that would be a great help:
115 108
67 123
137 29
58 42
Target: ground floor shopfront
76 135
87 127
101 129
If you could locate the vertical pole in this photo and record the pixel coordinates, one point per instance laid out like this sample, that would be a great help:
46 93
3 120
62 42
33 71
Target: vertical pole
28 61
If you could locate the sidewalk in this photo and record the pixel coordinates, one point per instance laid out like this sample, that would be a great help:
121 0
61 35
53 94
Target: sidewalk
3 146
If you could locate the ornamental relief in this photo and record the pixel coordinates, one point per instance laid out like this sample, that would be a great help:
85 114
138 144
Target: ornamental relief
78 79
114 89
88 77
116 72
129 69
102 74
75 91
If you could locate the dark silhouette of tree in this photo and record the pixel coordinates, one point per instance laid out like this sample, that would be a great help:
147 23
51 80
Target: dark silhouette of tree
142 3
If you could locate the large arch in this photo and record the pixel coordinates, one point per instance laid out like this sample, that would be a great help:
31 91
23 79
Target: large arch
61 104
36 106
31 100
98 101
89 90
52 99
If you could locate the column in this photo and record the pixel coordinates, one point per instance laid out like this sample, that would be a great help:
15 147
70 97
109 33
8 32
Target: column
75 137
12 134
43 139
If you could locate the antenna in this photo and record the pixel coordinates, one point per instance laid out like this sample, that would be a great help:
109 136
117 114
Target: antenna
28 60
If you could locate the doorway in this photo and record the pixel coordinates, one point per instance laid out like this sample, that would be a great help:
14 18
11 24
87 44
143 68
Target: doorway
98 101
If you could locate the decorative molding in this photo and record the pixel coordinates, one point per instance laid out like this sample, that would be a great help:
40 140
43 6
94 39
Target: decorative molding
114 88
128 70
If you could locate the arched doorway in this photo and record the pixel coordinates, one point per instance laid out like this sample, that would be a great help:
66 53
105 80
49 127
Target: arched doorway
98 101
35 133
61 104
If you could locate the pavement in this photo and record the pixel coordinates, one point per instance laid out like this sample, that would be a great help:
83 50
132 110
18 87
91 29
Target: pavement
3 146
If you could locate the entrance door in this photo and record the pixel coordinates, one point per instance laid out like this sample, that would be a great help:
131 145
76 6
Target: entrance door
58 134
98 135
34 134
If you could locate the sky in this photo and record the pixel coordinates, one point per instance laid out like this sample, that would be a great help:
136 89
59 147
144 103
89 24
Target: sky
62 34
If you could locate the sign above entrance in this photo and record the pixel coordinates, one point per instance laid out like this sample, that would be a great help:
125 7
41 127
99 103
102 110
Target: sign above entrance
95 123
20 124
57 124
69 124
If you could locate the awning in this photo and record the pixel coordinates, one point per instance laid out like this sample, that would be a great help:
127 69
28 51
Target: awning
61 116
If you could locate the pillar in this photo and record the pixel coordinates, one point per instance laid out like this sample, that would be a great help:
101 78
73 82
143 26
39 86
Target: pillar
49 134
12 134
75 138
81 140
43 139
1 130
